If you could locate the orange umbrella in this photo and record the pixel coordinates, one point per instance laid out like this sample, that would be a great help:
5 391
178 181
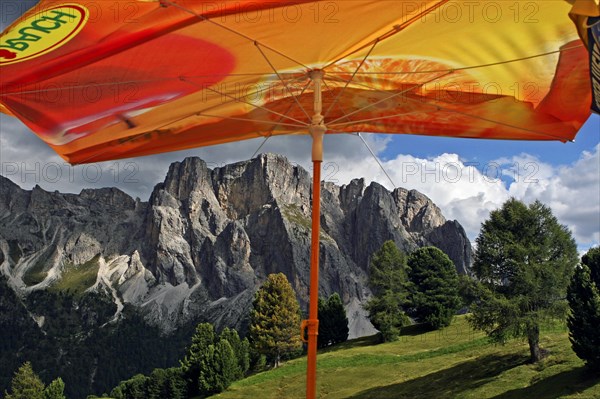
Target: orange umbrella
104 80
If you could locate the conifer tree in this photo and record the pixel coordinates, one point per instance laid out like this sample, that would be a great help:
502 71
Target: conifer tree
218 370
388 281
584 301
196 356
524 261
55 390
333 322
435 296
241 349
275 320
26 384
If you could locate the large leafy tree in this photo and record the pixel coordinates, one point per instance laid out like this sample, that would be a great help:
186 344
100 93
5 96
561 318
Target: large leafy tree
388 280
333 322
584 301
26 384
524 260
434 297
275 319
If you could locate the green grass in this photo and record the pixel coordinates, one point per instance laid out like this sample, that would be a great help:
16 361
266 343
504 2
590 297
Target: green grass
293 214
452 363
36 273
78 278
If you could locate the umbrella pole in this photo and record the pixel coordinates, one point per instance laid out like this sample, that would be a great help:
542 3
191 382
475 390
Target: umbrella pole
313 321
317 130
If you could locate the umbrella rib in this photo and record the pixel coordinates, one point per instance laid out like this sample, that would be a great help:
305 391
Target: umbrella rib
338 125
255 92
395 29
467 67
329 92
495 122
124 82
270 134
260 146
390 97
246 120
51 89
203 18
337 98
290 106
376 159
257 45
245 102
440 108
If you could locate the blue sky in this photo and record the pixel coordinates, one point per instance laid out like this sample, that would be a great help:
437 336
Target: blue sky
487 150
564 176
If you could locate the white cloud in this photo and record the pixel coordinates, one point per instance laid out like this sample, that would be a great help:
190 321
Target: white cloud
572 191
468 194
462 191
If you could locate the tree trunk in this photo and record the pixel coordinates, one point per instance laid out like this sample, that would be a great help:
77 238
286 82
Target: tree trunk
533 336
277 361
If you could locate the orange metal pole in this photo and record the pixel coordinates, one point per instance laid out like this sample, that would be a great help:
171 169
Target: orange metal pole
313 321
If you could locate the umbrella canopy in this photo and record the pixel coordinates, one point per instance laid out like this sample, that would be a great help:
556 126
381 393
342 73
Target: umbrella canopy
105 80
148 76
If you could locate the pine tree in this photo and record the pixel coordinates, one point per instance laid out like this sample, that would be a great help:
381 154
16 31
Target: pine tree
219 368
195 359
388 281
333 322
157 384
524 261
55 390
434 289
176 386
26 384
275 319
136 387
592 259
584 300
241 348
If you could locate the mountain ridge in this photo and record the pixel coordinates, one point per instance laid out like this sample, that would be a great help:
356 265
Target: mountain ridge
207 236
98 276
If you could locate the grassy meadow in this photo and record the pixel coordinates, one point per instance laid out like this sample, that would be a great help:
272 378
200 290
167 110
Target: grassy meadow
455 362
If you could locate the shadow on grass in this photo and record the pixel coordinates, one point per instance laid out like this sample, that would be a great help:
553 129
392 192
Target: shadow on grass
370 340
448 383
416 329
566 383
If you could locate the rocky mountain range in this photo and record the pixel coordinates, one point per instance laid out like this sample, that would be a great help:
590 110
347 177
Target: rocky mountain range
206 239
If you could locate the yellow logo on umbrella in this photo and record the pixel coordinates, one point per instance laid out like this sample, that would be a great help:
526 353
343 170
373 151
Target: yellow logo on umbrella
42 32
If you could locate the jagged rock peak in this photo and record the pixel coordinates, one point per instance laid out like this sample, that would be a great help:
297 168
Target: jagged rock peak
186 177
108 195
208 237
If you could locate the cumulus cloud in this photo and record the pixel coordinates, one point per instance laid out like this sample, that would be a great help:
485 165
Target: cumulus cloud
28 161
572 191
465 191
468 191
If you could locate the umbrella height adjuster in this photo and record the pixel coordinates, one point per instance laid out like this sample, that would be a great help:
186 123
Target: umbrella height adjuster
307 328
